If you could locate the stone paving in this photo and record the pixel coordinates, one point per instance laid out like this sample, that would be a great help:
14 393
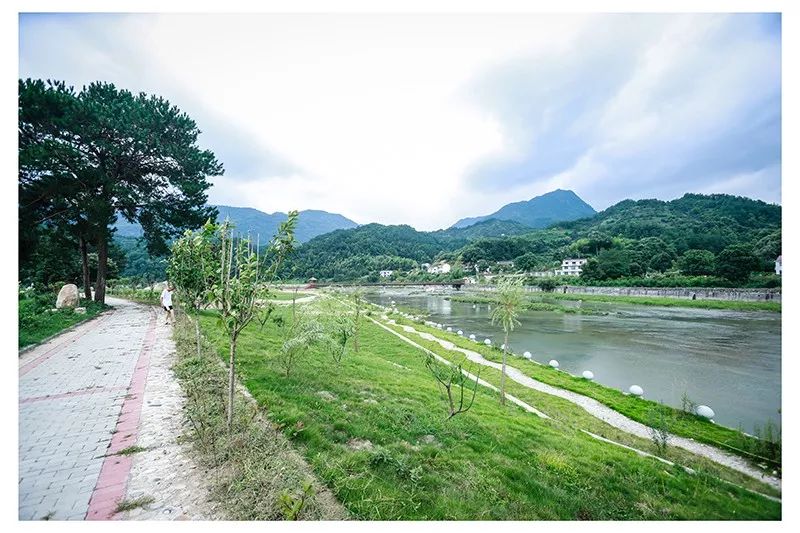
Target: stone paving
71 391
165 470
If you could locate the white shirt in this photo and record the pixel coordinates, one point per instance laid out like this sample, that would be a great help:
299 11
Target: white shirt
166 298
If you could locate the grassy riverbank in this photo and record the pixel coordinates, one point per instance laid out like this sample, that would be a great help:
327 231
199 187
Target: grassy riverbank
641 410
531 304
37 322
535 301
374 430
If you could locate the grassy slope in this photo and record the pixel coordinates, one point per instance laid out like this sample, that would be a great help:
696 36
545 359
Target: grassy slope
638 409
37 323
490 463
535 302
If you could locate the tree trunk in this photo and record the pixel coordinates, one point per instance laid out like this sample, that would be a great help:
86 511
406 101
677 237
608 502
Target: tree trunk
503 373
197 333
102 266
87 283
356 328
231 382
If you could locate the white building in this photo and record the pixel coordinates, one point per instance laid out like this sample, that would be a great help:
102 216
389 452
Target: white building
439 268
386 273
779 265
571 267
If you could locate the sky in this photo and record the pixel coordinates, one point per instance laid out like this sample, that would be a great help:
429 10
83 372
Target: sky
425 119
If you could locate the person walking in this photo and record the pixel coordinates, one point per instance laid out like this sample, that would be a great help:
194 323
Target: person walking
166 303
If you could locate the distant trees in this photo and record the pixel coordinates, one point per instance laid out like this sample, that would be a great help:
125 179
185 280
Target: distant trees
697 263
87 157
736 263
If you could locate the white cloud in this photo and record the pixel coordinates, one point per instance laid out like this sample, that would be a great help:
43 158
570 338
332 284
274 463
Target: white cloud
372 116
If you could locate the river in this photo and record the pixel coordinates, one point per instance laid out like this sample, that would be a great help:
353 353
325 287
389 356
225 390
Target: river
728 360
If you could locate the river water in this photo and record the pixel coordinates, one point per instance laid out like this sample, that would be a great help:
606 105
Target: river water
728 360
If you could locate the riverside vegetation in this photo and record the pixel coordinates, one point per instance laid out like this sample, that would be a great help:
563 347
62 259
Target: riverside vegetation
682 421
375 430
537 302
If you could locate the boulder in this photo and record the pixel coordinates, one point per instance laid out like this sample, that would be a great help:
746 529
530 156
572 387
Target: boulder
527 355
487 342
588 374
636 390
553 363
68 296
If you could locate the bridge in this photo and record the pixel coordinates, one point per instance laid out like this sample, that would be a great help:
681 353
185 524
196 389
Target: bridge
455 283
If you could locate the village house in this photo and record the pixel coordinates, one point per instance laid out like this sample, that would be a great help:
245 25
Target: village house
779 265
439 268
386 273
571 267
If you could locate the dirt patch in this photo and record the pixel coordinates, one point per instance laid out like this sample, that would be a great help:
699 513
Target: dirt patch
360 444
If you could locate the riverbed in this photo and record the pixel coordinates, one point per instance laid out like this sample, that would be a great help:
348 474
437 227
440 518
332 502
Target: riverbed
728 360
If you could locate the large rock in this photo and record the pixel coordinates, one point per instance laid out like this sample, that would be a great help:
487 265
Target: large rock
68 297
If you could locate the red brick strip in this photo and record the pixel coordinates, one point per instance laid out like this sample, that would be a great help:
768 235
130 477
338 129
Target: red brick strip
112 481
82 392
27 367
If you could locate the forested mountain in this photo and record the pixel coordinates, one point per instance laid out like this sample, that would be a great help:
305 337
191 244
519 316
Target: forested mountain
631 238
349 254
538 212
248 220
487 228
634 238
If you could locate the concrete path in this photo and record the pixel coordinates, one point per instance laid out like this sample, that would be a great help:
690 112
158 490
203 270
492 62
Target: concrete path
81 398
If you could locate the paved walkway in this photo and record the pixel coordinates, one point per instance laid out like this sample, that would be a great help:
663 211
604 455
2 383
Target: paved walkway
81 398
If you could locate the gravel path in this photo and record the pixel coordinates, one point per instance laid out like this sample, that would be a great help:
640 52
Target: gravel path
166 470
610 416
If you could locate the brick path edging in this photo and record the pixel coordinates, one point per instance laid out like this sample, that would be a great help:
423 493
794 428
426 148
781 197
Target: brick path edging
111 483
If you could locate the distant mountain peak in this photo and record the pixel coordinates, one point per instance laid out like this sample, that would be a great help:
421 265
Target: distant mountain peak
555 206
312 222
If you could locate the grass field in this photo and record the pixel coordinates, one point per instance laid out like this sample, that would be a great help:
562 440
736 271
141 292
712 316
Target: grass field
36 322
536 300
374 430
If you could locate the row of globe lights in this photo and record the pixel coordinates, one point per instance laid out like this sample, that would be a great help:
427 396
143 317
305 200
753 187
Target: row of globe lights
703 411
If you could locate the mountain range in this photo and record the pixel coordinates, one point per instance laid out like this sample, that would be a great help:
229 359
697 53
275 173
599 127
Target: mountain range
248 220
539 212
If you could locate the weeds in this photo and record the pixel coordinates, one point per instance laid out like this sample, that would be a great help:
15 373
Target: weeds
254 469
129 505
660 426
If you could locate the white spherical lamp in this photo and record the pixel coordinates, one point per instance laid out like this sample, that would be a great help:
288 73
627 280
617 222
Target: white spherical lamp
460 333
636 390
487 342
553 363
705 411
472 337
527 355
449 329
588 374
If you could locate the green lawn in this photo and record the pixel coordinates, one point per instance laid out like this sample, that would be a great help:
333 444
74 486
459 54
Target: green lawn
684 424
36 322
287 295
492 462
735 305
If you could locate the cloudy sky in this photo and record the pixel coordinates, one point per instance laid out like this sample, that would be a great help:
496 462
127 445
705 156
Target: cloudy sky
424 119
